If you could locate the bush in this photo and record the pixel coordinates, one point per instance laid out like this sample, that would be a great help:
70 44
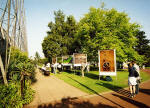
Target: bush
28 94
20 63
10 96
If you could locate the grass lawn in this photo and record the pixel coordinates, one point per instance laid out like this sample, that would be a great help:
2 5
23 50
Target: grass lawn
91 83
147 67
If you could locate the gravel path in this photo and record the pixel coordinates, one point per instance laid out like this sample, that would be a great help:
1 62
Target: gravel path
50 88
114 99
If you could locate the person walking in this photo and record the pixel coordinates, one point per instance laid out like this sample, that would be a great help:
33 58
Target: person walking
131 80
137 77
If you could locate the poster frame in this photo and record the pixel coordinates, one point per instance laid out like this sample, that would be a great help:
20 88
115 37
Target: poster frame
74 59
102 73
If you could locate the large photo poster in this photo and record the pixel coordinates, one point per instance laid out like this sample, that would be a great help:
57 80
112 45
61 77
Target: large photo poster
68 59
79 59
107 62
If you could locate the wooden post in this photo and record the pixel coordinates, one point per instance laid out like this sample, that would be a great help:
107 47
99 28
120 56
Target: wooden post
83 67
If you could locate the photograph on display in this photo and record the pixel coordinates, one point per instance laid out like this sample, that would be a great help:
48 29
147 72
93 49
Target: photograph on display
80 58
107 62
67 59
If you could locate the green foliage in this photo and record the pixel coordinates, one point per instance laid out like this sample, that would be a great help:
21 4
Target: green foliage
28 93
107 29
59 59
37 59
143 47
10 96
20 64
60 37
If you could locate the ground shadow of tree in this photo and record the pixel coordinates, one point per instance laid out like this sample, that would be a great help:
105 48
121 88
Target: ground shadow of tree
92 76
116 89
71 103
93 91
134 102
146 91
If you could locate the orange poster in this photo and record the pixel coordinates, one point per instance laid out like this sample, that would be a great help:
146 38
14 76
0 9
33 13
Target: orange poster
107 62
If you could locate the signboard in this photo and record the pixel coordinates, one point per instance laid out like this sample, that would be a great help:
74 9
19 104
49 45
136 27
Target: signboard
107 62
67 59
79 59
54 60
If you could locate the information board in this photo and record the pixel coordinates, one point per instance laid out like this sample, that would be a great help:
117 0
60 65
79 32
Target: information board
79 59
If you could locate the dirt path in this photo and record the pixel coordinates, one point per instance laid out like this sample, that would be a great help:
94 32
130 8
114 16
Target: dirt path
114 99
50 88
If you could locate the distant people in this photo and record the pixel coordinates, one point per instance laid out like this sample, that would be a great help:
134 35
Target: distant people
131 80
47 66
52 68
143 67
137 69
59 67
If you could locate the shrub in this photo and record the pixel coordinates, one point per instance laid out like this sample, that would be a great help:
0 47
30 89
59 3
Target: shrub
10 96
20 63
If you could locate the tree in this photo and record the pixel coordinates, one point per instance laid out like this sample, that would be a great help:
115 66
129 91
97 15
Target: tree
60 37
107 29
143 47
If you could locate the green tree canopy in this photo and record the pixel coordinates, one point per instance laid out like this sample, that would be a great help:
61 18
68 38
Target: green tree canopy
60 37
107 29
143 47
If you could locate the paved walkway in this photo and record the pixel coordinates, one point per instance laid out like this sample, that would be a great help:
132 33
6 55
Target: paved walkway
50 88
115 99
77 99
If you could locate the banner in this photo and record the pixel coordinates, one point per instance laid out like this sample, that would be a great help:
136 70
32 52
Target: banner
79 59
107 62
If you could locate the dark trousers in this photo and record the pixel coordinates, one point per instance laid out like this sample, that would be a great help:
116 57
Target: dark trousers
137 88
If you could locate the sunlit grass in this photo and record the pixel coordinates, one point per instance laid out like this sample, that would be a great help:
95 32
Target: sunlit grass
91 83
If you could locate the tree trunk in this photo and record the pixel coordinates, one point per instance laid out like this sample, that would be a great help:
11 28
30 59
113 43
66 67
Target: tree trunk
3 72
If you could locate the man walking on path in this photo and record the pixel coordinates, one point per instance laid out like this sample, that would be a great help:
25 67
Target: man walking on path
137 78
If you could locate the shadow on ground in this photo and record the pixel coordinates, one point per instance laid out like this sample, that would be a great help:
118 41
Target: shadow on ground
146 91
92 76
70 102
116 89
93 91
134 102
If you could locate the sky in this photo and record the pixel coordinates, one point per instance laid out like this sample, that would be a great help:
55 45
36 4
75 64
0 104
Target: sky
40 12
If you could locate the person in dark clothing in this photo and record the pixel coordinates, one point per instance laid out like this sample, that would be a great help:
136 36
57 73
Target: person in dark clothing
131 79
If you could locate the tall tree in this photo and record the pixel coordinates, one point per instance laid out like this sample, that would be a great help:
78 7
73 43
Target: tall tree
107 29
60 37
143 47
